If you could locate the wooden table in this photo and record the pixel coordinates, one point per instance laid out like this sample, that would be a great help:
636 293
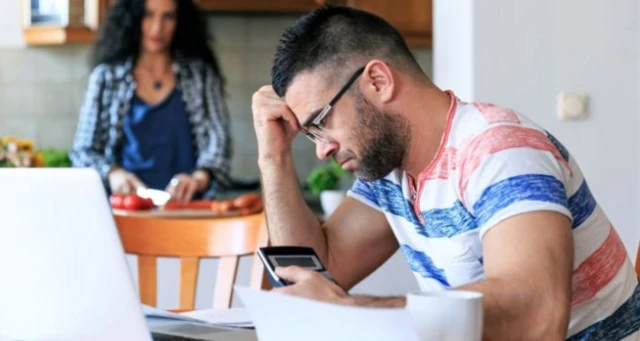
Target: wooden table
176 214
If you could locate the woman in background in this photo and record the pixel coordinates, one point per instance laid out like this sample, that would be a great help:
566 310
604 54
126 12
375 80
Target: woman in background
154 113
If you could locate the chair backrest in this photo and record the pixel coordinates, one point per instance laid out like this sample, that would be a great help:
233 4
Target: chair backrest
190 240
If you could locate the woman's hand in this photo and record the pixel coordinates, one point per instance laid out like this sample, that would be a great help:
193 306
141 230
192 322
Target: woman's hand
183 186
121 181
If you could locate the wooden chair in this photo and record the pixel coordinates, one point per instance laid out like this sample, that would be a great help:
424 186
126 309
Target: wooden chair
190 240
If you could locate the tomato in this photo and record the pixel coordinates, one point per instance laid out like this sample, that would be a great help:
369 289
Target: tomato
117 201
133 202
149 204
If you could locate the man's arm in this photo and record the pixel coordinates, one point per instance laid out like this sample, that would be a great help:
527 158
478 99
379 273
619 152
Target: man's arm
528 264
354 241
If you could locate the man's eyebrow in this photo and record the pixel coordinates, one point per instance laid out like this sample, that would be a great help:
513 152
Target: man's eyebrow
311 117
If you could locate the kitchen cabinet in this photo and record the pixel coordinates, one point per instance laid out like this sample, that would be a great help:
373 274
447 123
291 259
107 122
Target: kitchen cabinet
54 22
261 6
50 22
413 18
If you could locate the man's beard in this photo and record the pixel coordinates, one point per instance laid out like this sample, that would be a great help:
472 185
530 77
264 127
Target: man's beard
385 138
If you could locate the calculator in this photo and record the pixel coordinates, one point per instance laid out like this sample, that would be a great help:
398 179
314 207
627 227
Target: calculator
281 256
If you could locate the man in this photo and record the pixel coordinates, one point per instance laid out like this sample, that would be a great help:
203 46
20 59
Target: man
476 196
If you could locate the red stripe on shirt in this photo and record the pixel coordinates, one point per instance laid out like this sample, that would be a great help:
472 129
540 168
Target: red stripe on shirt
494 114
595 272
442 166
497 139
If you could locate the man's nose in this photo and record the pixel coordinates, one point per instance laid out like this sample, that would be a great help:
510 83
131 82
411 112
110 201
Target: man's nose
324 149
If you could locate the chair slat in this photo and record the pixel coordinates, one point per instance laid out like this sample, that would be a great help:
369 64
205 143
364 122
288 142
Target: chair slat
227 271
147 276
188 281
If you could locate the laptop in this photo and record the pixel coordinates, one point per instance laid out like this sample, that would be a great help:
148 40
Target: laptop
64 273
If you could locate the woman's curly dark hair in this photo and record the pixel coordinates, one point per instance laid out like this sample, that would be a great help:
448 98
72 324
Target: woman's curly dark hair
119 37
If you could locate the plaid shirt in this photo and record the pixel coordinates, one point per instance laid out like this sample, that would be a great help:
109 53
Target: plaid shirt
98 140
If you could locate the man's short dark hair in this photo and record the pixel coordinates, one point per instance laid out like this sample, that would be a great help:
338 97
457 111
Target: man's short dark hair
337 37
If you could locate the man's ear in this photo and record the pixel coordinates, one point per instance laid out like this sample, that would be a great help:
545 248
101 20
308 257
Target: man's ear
379 82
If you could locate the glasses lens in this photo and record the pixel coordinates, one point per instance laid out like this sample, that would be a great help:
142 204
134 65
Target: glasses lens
314 133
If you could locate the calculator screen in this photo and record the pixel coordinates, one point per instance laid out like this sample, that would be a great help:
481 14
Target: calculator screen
302 261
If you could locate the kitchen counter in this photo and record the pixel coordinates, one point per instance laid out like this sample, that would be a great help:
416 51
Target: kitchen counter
312 201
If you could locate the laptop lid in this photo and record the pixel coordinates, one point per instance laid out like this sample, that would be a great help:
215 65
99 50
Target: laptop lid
64 275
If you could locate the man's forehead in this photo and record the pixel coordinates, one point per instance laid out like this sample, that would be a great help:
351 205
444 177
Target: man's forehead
306 93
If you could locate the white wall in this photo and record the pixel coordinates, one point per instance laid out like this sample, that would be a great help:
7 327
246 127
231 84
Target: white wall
11 19
525 52
453 39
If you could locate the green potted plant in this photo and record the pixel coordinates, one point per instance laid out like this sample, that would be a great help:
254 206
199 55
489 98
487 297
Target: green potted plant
327 183
54 157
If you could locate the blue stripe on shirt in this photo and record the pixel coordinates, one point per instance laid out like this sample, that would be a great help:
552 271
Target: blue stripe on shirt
447 222
421 263
527 187
365 189
392 200
581 204
561 149
388 196
622 323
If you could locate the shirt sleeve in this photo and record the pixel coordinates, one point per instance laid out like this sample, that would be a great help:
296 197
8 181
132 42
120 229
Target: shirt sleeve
364 192
89 144
509 170
216 158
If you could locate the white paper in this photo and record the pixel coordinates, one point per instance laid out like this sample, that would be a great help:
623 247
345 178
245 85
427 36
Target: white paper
235 317
159 313
280 317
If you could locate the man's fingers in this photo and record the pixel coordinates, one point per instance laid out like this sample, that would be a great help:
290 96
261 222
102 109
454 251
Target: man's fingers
293 274
288 290
288 116
272 108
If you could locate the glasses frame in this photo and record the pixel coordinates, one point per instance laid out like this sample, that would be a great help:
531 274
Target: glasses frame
316 119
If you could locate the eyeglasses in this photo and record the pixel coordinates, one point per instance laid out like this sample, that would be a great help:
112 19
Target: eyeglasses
313 127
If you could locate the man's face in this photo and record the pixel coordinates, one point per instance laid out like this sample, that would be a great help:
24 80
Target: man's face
362 138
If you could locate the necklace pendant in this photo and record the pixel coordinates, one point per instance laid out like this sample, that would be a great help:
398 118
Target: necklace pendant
157 85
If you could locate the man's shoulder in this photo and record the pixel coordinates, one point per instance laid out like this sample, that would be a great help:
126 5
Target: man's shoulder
489 126
473 118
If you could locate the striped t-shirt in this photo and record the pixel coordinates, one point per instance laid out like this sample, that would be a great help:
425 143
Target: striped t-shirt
495 163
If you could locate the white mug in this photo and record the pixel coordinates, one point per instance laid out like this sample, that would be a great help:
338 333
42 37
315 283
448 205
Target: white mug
449 315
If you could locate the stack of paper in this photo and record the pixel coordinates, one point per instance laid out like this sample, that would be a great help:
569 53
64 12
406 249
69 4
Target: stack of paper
236 317
280 317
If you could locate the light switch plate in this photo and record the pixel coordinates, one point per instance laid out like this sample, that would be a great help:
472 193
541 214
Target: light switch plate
572 106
